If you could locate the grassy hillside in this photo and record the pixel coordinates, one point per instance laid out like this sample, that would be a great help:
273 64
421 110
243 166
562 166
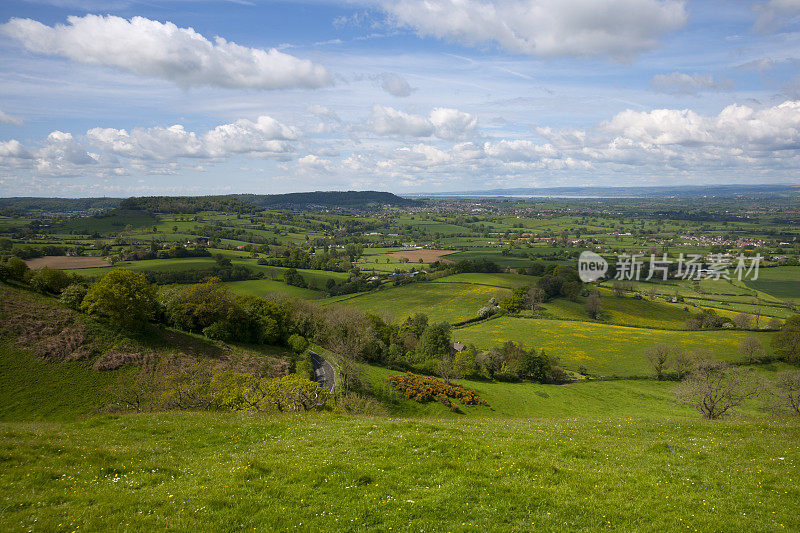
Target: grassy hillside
57 364
603 349
34 389
185 471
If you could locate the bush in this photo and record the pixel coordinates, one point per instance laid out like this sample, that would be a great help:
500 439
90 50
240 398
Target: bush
73 296
425 389
297 343
49 280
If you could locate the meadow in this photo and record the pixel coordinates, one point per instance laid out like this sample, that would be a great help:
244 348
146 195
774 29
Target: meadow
200 471
603 349
451 302
781 282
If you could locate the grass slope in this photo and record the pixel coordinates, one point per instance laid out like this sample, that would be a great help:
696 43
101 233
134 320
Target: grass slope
226 472
33 389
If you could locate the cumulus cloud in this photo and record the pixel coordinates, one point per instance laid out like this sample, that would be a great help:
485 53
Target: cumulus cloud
13 149
737 127
390 121
688 84
156 150
8 119
395 85
615 28
163 50
444 123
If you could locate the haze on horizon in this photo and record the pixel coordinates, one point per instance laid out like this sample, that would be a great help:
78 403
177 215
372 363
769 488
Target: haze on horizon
129 98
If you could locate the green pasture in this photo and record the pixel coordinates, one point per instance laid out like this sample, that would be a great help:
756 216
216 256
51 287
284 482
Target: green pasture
603 349
508 281
263 287
203 471
780 282
450 302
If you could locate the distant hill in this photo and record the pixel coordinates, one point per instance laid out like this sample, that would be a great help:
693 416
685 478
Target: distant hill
30 205
186 204
232 203
330 199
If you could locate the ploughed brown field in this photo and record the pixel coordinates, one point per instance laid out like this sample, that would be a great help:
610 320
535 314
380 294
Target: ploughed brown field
427 256
62 262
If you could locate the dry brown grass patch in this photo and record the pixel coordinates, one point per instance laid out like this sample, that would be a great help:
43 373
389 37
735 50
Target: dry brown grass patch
62 262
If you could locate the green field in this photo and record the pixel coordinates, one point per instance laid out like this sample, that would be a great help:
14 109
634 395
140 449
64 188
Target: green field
450 302
195 471
781 282
508 281
262 287
602 349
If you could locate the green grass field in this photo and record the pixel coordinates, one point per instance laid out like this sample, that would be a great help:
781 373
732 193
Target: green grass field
508 281
451 302
195 471
262 287
589 399
602 349
781 282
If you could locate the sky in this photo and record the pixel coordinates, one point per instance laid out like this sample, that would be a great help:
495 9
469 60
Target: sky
122 98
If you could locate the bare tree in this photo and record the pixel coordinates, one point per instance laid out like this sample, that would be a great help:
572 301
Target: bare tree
446 370
752 349
714 388
594 305
774 324
743 320
535 299
652 293
682 362
137 392
786 392
757 302
619 289
658 356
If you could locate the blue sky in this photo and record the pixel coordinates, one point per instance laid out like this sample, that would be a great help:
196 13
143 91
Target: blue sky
126 98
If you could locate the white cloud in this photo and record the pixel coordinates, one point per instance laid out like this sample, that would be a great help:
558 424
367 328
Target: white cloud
682 83
452 124
8 119
736 127
442 122
395 85
13 149
390 121
775 14
163 50
615 28
265 136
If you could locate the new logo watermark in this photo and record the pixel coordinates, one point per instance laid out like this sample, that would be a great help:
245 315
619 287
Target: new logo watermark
635 267
591 266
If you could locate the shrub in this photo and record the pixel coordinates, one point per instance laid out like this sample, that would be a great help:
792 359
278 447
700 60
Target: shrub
425 389
117 357
73 296
49 280
297 343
